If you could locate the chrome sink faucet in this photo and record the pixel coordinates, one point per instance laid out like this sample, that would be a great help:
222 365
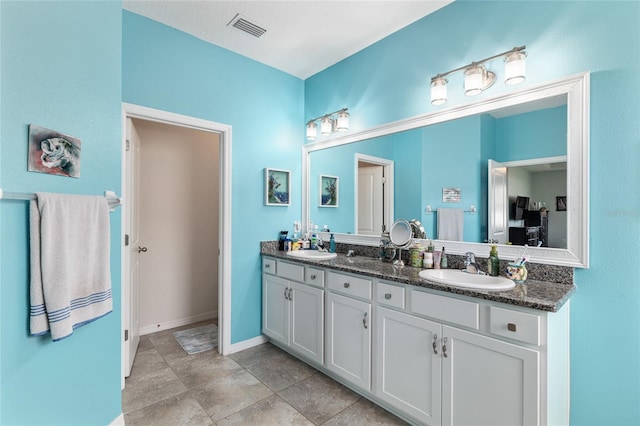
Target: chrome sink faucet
471 265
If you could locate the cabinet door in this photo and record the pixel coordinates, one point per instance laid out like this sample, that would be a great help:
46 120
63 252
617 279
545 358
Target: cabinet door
349 339
408 368
275 308
488 382
307 321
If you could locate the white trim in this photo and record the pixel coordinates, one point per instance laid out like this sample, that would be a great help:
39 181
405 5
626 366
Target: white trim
118 421
246 344
535 161
224 270
576 89
167 325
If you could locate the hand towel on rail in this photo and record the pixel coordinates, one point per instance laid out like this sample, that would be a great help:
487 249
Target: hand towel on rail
70 267
450 224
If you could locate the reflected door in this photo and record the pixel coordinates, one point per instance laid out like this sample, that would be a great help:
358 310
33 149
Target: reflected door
498 202
370 199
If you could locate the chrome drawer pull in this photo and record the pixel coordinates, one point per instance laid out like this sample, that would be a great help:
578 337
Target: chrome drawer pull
347 285
387 296
313 277
435 344
266 265
511 326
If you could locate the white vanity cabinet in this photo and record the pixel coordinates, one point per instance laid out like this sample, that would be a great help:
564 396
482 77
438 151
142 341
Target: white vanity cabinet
348 328
293 307
431 357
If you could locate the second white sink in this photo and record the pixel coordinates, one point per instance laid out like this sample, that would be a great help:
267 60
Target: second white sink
458 278
312 254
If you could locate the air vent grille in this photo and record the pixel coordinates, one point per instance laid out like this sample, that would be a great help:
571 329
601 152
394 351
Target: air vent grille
243 24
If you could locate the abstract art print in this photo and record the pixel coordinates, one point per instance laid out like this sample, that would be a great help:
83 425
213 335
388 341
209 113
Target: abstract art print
277 187
53 152
328 190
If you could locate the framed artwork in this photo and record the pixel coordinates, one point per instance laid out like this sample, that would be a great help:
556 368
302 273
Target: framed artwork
277 187
450 195
561 203
328 191
53 153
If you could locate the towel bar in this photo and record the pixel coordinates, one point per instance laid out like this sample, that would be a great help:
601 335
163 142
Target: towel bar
113 200
472 209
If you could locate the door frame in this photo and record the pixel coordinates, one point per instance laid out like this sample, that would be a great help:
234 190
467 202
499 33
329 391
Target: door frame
224 234
387 192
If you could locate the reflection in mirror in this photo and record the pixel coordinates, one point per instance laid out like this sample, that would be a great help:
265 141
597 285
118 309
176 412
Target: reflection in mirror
451 154
539 136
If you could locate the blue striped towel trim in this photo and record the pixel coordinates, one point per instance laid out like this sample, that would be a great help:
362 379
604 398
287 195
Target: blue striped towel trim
64 313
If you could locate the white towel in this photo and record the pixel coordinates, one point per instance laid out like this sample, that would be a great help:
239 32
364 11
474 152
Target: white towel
450 224
70 272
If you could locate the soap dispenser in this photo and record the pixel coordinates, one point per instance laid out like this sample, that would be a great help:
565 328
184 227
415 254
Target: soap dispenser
332 244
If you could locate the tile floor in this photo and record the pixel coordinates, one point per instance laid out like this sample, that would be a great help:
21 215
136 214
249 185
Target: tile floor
259 386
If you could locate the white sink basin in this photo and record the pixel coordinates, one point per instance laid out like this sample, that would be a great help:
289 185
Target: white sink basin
312 254
459 278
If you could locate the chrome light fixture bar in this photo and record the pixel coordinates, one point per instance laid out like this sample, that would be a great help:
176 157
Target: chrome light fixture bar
477 78
337 121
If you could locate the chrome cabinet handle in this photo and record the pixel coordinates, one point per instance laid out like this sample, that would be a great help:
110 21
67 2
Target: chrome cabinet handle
387 296
142 249
435 344
511 327
444 347
313 277
291 294
347 285
364 321
266 265
286 293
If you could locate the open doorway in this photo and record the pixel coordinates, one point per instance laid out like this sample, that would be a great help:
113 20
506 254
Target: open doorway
187 164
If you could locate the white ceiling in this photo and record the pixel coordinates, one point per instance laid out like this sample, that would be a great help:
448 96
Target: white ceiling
303 37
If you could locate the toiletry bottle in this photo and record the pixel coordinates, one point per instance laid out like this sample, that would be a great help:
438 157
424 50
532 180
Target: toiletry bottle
444 263
493 264
332 244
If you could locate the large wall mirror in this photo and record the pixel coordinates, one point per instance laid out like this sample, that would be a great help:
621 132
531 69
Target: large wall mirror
519 164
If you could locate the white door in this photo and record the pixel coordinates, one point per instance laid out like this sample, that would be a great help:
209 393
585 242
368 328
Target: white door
488 382
307 319
275 308
370 200
498 203
132 226
408 364
349 339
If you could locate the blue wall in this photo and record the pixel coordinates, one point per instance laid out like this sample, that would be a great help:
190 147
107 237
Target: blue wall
169 70
390 81
61 68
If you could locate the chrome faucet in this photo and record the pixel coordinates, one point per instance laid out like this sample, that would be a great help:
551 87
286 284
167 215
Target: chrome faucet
320 245
470 264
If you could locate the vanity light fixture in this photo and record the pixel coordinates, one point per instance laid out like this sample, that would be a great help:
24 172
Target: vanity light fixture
337 121
477 78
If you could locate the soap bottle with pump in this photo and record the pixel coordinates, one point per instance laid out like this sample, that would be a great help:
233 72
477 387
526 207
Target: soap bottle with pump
444 262
493 263
332 244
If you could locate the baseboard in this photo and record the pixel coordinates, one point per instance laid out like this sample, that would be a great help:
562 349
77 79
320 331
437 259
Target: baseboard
118 421
148 329
245 344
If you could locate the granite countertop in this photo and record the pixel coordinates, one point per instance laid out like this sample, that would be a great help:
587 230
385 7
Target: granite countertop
539 295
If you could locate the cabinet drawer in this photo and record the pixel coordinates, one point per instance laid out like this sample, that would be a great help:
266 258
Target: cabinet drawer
314 276
291 271
515 325
269 266
444 308
390 295
349 285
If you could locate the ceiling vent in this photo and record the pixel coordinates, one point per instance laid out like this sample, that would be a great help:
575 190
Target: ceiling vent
243 24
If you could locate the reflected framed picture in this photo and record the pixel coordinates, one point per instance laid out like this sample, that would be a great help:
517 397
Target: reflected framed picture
561 203
327 191
53 153
277 187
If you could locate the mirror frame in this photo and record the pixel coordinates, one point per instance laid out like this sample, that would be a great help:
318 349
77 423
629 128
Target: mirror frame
576 88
